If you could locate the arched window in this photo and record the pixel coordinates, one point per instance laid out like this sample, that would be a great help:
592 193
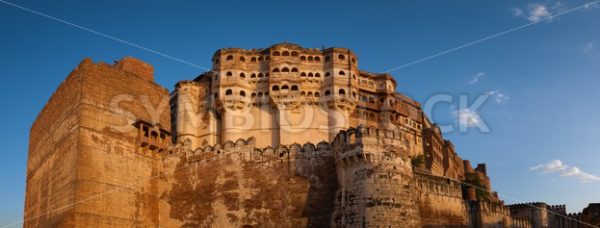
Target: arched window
260 94
310 94
253 59
253 75
242 75
342 72
354 94
275 70
285 53
341 57
302 74
303 93
285 87
260 75
353 76
276 53
327 93
364 82
266 75
342 92
317 75
317 58
303 58
294 88
267 58
294 69
327 74
228 92
371 100
310 74
364 98
275 88
260 59
285 69
266 94
371 84
229 73
317 94
381 100
253 95
310 58
229 57
242 93
294 53
242 58
353 60
327 58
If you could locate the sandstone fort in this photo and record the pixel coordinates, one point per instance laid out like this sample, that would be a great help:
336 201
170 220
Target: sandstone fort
283 136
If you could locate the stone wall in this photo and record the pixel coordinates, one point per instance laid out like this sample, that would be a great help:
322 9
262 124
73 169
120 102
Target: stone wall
88 126
440 201
53 151
239 185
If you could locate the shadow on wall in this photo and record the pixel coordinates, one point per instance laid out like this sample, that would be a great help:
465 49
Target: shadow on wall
242 186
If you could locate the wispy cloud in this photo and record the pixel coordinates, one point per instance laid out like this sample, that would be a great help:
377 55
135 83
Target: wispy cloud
517 12
537 11
557 166
475 78
467 118
588 47
592 5
498 96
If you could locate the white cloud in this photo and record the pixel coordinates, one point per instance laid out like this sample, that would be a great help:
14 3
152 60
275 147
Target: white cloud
498 96
475 78
537 12
517 12
587 48
557 166
467 118
592 5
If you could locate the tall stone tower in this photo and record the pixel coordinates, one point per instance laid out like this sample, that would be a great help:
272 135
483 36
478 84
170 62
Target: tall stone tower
376 180
100 133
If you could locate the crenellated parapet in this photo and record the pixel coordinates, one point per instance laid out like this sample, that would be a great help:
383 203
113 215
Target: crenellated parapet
248 147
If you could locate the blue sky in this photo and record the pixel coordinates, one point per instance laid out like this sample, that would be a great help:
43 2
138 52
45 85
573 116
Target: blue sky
547 73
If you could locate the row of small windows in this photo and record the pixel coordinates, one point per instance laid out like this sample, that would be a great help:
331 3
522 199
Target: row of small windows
285 69
243 59
286 53
260 94
310 94
284 87
310 74
253 75
310 58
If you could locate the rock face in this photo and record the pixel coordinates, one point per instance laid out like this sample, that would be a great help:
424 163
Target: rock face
277 137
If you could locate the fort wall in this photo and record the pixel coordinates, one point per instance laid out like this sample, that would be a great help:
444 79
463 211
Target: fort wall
238 184
97 148
243 151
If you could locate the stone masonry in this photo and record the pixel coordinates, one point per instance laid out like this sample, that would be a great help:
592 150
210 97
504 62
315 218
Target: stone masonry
283 136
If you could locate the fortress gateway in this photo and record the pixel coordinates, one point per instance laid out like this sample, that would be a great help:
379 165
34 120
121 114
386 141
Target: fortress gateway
277 137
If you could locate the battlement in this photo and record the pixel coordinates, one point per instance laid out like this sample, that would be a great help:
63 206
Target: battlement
528 205
136 67
211 152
